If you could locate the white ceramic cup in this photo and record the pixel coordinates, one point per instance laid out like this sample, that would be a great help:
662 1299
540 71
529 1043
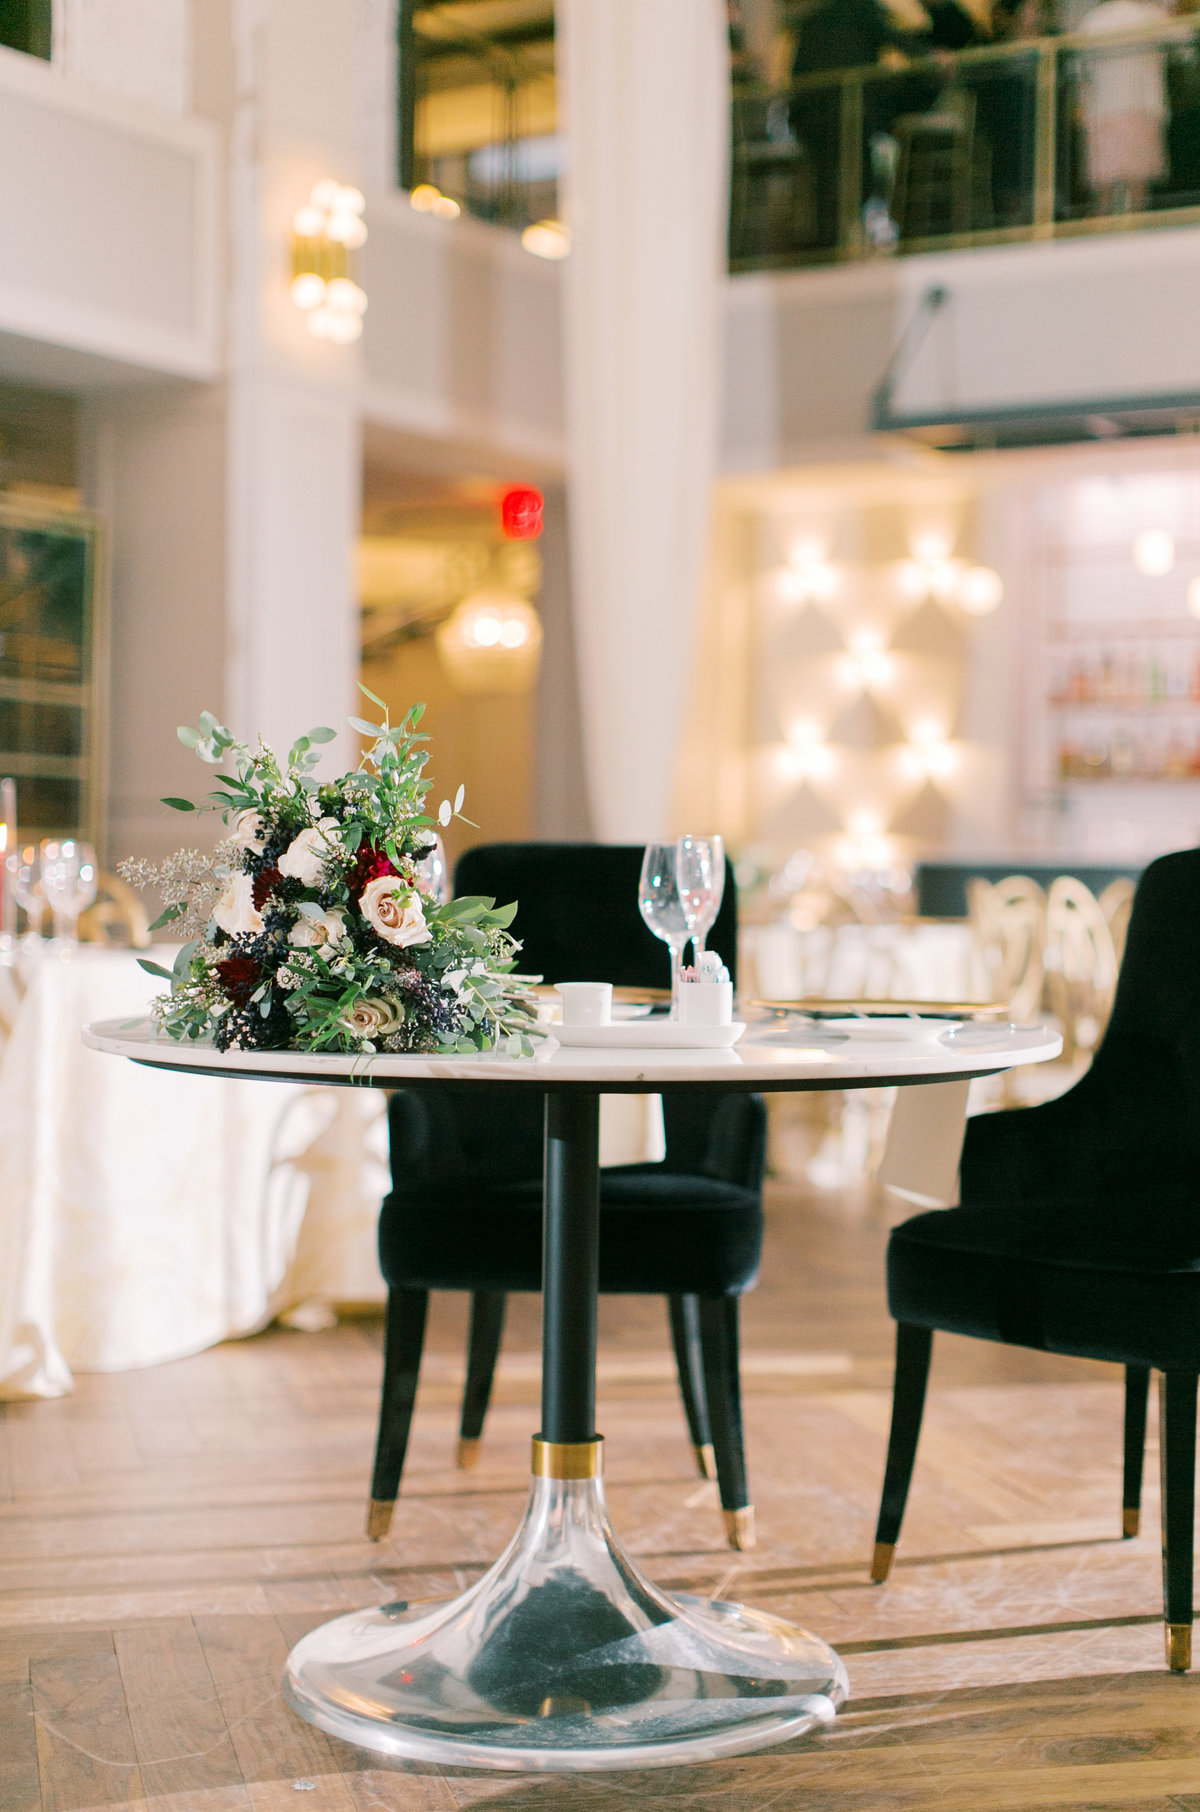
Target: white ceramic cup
585 1003
706 1003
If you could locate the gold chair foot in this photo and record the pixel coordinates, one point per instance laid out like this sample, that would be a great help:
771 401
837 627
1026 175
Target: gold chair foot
1179 1647
739 1527
1131 1522
881 1561
468 1454
379 1516
706 1460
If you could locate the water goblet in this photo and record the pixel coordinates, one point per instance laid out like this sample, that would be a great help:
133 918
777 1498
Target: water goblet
25 878
662 907
69 882
700 867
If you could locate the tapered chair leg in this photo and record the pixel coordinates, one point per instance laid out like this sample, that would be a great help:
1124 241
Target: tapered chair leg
487 1326
1137 1390
914 1347
404 1338
1177 1445
718 1317
684 1312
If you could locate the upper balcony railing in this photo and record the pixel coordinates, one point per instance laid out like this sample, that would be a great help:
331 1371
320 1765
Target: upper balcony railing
1041 139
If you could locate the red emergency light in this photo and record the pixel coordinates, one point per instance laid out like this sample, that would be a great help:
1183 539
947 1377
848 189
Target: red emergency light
521 513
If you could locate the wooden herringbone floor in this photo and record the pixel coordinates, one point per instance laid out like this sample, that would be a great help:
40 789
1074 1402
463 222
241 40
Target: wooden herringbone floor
165 1535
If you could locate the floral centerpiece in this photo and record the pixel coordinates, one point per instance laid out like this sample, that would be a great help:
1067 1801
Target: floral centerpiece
312 926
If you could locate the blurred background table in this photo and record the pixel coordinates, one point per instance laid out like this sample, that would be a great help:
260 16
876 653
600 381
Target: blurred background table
143 1217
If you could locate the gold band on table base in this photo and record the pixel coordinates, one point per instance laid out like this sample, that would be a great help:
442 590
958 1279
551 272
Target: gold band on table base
881 1561
468 1453
1179 1647
567 1459
379 1516
1131 1522
739 1527
706 1460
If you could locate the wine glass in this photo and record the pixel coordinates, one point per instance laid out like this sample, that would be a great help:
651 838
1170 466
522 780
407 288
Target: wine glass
700 867
662 906
69 881
25 878
433 873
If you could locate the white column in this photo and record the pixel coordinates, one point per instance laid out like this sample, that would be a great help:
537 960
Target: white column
647 123
294 491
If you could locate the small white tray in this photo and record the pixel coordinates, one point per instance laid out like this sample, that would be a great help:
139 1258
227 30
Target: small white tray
648 1035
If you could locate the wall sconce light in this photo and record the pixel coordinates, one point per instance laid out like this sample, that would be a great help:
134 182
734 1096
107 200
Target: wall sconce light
807 756
809 577
1154 552
426 198
325 234
980 590
547 239
492 642
867 665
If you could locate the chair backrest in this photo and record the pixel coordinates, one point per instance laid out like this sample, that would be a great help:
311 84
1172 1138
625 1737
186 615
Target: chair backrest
577 910
1081 964
1008 924
1158 988
1116 903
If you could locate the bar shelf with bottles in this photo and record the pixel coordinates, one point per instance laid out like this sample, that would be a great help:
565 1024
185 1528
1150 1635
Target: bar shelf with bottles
1130 711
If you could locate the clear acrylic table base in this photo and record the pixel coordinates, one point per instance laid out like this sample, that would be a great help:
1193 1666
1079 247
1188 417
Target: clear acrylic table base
563 1656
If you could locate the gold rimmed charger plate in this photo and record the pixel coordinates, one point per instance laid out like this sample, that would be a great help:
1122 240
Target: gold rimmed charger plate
820 1007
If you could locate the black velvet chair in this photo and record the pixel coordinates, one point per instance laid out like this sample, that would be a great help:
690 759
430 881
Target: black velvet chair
465 1210
1078 1231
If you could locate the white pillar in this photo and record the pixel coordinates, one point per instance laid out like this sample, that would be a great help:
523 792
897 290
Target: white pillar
647 125
294 476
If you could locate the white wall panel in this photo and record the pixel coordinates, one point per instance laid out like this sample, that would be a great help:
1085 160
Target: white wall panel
462 334
107 224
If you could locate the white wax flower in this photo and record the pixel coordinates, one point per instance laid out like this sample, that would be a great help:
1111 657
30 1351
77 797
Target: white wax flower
306 855
235 911
321 933
393 909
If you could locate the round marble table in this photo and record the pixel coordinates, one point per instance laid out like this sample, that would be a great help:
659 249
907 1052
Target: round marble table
564 1655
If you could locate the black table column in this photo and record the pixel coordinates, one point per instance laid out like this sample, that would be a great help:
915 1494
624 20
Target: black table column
570 1276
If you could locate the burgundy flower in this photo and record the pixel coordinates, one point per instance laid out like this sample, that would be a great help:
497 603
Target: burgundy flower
370 864
240 975
264 880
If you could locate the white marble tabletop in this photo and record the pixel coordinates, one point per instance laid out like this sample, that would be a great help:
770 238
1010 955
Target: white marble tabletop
770 1056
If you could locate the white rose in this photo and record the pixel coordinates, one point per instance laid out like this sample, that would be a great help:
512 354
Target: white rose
321 933
235 911
373 1017
393 909
247 831
307 854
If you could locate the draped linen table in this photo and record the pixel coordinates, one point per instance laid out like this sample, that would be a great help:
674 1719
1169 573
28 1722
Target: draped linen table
564 1655
142 1219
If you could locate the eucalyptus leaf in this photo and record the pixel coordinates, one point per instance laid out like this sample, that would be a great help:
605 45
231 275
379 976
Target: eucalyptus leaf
179 805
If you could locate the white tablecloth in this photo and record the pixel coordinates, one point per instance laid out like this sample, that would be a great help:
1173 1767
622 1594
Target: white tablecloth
144 1216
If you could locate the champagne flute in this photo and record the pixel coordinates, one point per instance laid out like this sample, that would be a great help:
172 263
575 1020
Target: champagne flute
69 882
662 907
700 867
